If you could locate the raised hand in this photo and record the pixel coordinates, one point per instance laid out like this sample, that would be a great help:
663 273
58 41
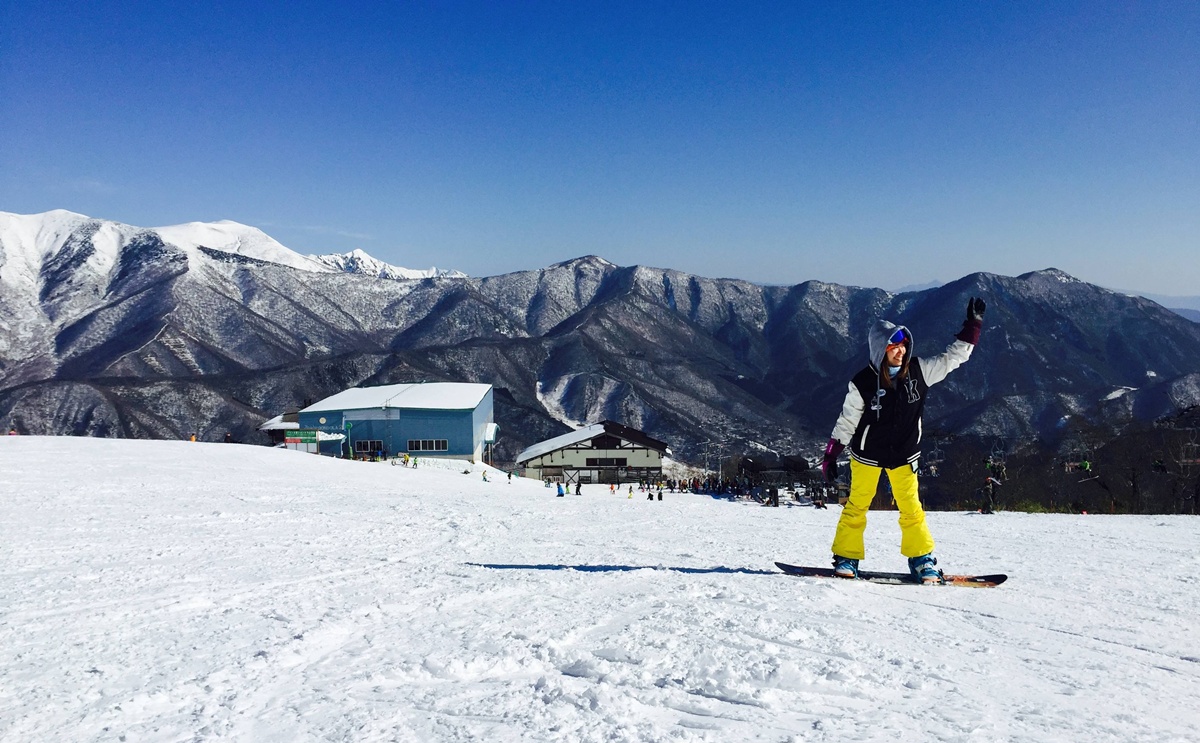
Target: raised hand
975 309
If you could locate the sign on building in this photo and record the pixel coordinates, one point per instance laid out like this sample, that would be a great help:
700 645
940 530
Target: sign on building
302 440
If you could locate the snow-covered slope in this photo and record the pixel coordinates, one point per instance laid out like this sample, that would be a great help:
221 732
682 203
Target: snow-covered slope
29 241
232 237
173 591
356 261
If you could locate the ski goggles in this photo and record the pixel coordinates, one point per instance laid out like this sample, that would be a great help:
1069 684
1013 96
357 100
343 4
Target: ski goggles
898 337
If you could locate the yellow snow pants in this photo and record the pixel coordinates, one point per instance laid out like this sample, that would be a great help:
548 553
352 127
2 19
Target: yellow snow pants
915 539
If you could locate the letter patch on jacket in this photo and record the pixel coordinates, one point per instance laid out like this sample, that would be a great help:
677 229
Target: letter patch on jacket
913 393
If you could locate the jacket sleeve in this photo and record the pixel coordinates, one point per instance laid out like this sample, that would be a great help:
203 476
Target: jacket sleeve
847 422
938 367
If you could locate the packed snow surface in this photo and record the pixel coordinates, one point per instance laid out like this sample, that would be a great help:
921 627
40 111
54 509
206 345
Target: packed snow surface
175 591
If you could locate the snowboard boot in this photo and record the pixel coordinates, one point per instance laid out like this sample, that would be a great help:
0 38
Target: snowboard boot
923 570
845 567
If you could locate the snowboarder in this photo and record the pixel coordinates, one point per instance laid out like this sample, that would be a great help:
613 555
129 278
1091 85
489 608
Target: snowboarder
561 492
881 423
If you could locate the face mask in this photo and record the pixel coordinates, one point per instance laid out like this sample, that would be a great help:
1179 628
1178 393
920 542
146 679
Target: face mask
893 371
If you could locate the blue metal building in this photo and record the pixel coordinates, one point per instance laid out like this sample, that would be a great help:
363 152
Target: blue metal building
430 419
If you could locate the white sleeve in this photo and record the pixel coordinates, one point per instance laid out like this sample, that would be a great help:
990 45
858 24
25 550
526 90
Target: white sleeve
936 368
847 422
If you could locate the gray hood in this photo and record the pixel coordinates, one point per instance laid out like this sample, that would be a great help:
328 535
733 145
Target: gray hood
877 341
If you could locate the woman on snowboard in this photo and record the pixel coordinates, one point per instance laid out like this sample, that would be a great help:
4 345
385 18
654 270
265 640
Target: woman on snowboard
881 423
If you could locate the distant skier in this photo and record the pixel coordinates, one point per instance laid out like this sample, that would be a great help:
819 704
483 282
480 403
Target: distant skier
561 491
989 495
881 423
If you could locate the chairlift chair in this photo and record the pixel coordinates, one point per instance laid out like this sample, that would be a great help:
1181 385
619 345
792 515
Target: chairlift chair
1191 454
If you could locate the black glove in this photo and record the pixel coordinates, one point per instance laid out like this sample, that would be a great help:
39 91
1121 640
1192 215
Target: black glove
829 467
975 310
973 325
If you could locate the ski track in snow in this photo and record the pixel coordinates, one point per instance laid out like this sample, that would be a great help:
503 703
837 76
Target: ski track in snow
172 591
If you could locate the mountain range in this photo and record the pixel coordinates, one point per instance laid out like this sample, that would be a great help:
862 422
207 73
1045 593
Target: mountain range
114 330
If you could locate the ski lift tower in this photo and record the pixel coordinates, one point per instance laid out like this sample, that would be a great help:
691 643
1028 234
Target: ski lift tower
931 461
997 461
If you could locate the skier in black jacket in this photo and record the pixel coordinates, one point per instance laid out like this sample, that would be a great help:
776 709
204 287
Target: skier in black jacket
881 423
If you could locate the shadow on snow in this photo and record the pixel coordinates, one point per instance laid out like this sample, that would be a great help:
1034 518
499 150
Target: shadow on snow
621 568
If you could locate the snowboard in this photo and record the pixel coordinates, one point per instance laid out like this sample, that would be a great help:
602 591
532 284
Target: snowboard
965 581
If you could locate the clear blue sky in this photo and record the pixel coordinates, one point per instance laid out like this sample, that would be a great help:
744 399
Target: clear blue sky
874 144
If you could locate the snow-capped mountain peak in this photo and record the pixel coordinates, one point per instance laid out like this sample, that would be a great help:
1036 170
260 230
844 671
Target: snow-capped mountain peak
359 262
233 237
60 267
27 239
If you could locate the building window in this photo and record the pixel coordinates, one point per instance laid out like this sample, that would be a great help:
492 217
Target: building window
368 446
428 445
606 462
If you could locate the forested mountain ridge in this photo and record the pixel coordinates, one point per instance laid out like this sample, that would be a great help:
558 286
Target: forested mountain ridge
109 329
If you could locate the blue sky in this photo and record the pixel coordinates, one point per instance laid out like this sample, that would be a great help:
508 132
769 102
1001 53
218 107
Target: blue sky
874 144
